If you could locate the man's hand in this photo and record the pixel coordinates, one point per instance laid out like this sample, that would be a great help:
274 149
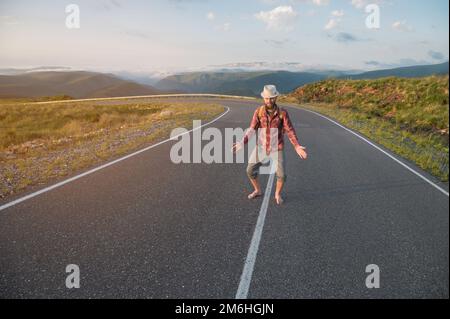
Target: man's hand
236 147
301 151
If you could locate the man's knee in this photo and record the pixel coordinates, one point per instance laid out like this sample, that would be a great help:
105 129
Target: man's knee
252 171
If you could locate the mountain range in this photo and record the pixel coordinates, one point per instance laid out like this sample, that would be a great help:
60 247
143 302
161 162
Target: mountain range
85 84
250 83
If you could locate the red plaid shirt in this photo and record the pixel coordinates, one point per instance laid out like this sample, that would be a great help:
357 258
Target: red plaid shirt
284 125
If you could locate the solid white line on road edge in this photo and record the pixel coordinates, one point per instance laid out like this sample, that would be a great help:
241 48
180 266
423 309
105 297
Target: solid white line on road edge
22 199
383 151
247 273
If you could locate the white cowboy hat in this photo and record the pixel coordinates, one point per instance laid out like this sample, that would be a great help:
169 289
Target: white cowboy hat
269 91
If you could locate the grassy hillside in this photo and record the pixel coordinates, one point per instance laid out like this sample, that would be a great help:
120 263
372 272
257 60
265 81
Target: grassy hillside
78 84
409 116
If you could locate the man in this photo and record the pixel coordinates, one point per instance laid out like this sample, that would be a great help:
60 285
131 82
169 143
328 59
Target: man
270 116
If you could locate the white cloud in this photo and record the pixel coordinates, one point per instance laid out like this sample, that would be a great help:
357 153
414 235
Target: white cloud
332 23
226 27
337 13
321 2
402 26
359 3
280 18
210 16
336 18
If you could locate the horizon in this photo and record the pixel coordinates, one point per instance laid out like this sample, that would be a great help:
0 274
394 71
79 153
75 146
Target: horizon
207 69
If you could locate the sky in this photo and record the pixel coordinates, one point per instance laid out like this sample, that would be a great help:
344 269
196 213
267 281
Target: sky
163 35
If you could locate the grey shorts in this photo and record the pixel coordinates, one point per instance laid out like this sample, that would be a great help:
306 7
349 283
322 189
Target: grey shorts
254 163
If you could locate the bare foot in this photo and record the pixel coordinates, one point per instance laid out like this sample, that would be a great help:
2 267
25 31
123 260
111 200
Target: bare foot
279 199
254 194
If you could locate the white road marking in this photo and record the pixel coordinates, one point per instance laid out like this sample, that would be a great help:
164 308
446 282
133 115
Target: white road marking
383 151
44 190
246 277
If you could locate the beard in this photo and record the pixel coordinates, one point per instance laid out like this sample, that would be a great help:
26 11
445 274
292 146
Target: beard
270 106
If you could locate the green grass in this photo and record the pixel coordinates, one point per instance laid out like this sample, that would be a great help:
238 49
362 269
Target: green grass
42 142
407 116
22 123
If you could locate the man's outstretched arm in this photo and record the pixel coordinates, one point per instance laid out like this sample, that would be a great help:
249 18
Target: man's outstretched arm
254 125
292 135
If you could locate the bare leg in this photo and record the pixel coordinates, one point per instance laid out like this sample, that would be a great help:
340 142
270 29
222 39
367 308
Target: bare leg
257 188
255 184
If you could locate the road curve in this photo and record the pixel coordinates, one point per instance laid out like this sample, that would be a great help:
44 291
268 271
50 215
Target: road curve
147 228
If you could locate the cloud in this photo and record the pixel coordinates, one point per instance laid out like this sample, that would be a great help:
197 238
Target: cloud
402 26
332 23
116 3
210 16
337 13
359 4
321 2
137 34
372 63
224 27
335 20
436 55
400 63
280 18
277 43
345 37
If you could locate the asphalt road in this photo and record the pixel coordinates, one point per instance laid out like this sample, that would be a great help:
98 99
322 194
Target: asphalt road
147 228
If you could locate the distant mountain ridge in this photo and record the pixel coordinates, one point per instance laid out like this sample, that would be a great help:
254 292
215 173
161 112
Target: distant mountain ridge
241 83
249 83
77 84
403 72
85 84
